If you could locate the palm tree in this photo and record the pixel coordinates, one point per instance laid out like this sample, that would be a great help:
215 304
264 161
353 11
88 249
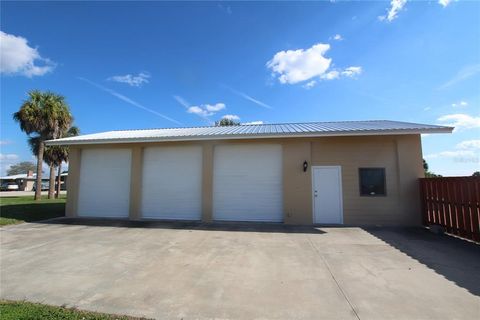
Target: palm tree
49 157
53 156
43 116
62 154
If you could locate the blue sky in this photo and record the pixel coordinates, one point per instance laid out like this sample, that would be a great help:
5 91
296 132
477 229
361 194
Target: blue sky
125 65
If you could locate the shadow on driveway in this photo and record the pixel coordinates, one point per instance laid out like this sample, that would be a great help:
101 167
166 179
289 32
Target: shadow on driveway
190 225
455 259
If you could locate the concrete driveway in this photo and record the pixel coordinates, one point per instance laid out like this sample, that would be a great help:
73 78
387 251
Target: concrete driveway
173 271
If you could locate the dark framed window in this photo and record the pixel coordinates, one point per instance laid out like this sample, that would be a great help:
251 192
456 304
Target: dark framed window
372 182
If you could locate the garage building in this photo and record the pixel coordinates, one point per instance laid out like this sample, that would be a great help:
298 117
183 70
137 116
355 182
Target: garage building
354 173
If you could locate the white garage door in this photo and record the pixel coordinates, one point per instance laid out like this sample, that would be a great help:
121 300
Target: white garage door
247 183
172 183
104 189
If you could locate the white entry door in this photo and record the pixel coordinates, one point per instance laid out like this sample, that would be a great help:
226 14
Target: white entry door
247 183
172 183
327 195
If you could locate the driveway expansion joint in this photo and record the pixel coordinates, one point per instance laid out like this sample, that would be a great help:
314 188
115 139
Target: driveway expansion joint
333 277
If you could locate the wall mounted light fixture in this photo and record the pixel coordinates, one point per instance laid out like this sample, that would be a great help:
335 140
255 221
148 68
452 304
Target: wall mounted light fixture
305 166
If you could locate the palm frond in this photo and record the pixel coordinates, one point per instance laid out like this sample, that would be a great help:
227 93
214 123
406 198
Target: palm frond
34 143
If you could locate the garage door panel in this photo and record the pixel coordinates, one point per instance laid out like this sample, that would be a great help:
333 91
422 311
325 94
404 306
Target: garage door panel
171 183
248 183
104 189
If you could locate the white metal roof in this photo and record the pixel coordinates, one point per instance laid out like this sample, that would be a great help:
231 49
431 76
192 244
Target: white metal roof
18 176
25 176
307 129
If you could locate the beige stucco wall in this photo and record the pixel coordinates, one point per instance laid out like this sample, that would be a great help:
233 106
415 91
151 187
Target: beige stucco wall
74 159
400 155
402 160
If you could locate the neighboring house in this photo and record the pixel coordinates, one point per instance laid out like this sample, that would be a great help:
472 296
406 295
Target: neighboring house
26 181
355 173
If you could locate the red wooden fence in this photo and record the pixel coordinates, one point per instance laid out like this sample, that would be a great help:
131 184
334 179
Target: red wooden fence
453 203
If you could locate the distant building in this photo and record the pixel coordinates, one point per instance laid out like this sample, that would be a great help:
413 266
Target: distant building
26 181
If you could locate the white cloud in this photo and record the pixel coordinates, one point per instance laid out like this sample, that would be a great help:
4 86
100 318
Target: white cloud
252 123
17 57
128 100
197 110
349 72
132 80
192 109
338 37
426 108
293 66
6 161
395 7
460 104
352 71
8 156
231 117
334 74
469 145
444 3
463 74
457 155
465 151
206 110
4 142
215 107
310 84
460 121
450 154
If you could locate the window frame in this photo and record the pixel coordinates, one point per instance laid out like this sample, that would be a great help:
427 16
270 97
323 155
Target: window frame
384 182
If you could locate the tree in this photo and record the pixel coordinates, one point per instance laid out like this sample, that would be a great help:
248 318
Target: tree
53 156
476 174
429 174
22 167
44 116
48 157
225 122
62 155
425 165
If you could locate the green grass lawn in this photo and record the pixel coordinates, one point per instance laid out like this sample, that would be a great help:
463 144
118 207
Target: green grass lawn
20 209
20 310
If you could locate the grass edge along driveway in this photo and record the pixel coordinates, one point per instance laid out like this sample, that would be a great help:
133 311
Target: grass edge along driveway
22 310
14 210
